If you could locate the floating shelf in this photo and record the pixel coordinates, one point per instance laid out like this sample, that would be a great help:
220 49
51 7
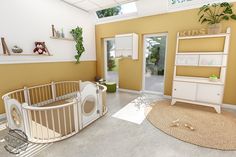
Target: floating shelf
68 39
25 54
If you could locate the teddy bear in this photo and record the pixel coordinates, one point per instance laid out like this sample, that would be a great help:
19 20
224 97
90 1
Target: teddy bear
40 48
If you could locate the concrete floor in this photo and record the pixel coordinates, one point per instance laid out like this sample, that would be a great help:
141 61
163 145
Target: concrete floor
111 137
154 83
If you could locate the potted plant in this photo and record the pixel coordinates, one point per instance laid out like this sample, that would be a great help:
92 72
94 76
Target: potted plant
214 14
77 35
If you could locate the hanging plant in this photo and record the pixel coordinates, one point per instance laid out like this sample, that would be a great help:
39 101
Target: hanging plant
77 35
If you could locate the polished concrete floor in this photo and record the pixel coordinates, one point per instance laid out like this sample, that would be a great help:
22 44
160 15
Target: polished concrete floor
111 137
154 83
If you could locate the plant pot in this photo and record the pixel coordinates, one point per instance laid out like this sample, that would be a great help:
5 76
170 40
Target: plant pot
215 28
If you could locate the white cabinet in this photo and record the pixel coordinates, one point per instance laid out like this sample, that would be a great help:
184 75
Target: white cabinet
210 93
198 92
127 45
184 90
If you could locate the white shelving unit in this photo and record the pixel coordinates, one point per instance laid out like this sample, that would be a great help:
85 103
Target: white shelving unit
200 90
127 46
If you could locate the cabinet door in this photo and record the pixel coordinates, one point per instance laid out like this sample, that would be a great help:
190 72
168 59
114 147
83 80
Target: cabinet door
210 60
210 93
188 60
124 42
184 90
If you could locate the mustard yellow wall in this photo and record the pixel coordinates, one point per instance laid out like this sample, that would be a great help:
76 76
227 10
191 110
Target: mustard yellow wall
15 76
131 71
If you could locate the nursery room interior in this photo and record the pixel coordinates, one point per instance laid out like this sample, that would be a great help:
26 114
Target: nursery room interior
118 78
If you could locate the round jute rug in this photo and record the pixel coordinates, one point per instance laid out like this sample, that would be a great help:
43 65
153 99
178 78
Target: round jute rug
211 130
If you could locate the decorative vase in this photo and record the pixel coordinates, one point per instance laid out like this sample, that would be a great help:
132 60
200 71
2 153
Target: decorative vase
215 28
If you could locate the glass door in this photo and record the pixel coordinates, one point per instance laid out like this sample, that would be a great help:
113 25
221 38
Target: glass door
154 63
111 62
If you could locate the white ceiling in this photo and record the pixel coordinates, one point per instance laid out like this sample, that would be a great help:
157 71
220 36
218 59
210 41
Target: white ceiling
91 5
144 7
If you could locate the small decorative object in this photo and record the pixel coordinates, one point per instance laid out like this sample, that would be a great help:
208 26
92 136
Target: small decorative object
193 32
62 33
77 35
40 48
17 49
4 46
53 31
214 14
213 78
16 141
58 34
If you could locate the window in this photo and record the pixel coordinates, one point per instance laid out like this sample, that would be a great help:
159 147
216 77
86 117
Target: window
123 9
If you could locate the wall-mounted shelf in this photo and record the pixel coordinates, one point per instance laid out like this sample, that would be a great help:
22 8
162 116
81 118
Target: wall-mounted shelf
127 46
24 54
68 39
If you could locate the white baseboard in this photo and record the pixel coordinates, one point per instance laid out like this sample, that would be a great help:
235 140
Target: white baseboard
3 117
167 96
229 106
129 91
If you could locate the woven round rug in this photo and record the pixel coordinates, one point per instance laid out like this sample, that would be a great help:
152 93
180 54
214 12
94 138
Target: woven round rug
211 130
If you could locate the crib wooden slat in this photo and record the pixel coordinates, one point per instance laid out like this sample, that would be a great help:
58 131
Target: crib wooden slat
36 126
59 121
46 117
70 119
41 123
53 123
30 122
64 116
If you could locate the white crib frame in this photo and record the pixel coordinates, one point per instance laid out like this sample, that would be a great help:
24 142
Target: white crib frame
31 103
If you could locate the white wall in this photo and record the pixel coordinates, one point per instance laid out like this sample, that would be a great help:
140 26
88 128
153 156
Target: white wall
25 21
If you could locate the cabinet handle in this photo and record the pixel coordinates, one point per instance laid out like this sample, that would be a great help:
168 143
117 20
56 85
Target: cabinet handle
218 94
174 89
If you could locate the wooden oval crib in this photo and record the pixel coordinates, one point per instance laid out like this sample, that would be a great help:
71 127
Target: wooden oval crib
55 111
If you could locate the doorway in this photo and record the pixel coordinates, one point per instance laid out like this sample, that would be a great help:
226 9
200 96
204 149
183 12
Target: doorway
155 48
111 66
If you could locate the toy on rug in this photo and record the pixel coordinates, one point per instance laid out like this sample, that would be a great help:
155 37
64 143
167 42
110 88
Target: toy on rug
189 126
176 123
40 48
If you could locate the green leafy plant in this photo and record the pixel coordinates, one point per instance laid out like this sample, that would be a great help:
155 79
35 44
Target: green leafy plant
77 35
215 13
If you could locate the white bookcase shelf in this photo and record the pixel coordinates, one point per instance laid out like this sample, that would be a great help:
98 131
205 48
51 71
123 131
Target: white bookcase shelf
198 80
204 36
200 90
